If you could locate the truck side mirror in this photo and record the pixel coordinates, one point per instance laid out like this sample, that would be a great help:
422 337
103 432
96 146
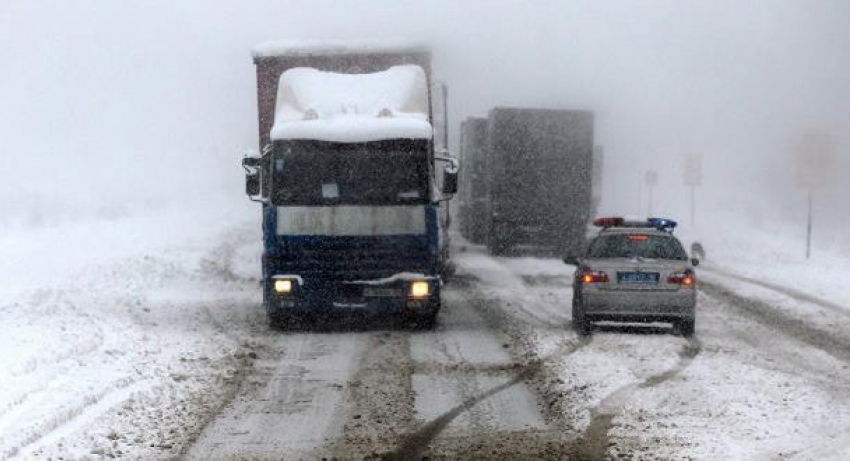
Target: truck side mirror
252 175
450 181
252 184
251 162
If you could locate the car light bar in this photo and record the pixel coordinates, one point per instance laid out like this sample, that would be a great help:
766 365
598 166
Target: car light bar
662 223
608 222
658 223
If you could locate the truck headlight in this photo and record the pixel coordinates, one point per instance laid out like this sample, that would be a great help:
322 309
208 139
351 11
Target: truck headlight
283 286
420 289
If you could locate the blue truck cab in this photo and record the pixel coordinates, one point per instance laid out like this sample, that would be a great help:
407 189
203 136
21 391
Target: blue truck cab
354 211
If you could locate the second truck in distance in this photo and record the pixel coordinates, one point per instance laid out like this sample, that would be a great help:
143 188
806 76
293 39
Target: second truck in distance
527 180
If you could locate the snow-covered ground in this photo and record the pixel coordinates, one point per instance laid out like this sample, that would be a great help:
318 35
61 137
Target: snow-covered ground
144 337
775 253
744 388
121 337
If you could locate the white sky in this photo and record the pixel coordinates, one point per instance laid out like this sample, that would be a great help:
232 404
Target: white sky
111 104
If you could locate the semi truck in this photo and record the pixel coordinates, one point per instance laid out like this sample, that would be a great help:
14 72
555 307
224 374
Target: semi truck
472 191
530 184
353 179
598 168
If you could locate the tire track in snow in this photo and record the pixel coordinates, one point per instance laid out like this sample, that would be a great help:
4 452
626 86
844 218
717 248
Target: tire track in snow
76 350
67 421
595 441
832 343
527 367
414 444
45 371
790 292
382 398
290 404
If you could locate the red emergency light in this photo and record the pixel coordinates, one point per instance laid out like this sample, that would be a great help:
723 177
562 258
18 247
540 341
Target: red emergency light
608 222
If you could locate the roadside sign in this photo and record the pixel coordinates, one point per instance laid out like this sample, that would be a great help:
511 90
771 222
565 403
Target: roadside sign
651 177
815 161
693 171
815 169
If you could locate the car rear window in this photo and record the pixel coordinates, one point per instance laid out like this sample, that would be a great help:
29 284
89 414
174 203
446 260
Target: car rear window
636 245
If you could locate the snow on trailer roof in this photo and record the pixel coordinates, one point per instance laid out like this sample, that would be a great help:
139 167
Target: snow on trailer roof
326 48
329 106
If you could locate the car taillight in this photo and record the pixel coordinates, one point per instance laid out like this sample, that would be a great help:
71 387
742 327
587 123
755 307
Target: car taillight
685 277
590 276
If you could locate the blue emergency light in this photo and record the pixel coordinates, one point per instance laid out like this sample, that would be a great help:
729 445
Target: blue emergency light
662 223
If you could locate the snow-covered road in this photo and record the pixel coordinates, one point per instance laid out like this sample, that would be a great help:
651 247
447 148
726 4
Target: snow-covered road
167 353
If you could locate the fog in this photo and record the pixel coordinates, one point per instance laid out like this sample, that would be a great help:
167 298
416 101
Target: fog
114 108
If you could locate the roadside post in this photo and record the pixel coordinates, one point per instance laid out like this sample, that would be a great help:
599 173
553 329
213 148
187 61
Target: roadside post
815 169
693 179
651 179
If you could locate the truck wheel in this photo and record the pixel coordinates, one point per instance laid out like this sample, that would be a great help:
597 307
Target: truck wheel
686 327
283 322
497 241
496 246
580 323
277 322
421 321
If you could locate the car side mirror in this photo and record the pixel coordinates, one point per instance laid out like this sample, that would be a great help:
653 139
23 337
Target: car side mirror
694 262
450 181
572 260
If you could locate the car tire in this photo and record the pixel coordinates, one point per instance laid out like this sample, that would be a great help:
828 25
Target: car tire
580 323
687 327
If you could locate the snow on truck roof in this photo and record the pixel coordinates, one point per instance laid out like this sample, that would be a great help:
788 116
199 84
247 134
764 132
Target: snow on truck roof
329 106
316 47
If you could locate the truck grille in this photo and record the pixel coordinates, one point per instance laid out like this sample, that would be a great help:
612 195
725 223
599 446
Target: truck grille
339 264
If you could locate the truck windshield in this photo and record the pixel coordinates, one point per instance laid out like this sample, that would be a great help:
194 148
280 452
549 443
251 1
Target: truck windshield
373 173
632 246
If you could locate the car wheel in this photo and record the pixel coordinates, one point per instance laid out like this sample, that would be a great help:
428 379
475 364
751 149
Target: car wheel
687 327
580 323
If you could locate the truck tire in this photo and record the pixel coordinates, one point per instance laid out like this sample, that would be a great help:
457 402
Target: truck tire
428 321
686 327
285 322
422 321
497 243
580 323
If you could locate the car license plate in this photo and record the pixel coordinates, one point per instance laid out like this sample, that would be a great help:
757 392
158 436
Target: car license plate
637 277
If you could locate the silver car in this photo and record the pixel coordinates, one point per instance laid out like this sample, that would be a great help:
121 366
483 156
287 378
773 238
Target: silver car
634 271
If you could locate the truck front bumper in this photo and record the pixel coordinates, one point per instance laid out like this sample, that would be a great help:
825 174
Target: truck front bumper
354 298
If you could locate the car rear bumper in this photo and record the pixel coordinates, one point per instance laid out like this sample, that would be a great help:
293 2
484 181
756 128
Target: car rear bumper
639 306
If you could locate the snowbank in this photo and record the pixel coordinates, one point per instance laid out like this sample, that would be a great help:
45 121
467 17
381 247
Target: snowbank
328 106
773 253
123 337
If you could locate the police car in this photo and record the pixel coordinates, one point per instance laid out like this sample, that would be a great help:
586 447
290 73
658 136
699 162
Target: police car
634 271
